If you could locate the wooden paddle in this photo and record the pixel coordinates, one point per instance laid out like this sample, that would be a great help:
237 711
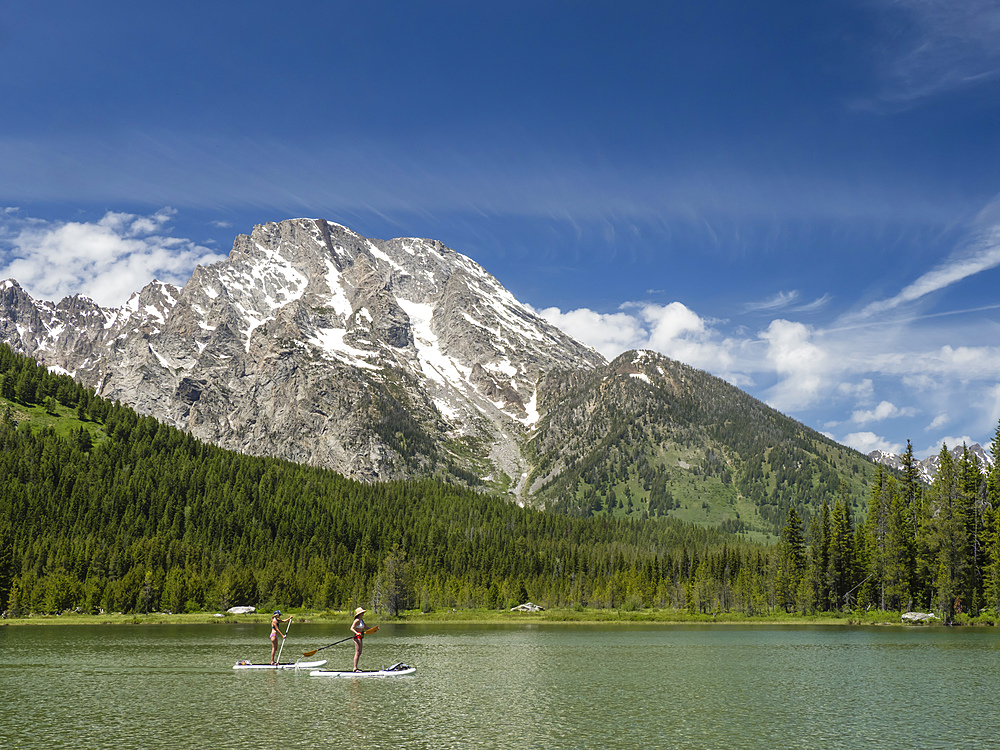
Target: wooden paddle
366 632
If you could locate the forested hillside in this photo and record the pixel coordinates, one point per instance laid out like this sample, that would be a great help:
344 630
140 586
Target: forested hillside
648 436
121 513
101 509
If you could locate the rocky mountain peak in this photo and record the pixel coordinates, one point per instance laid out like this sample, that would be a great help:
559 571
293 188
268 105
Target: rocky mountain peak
376 358
927 467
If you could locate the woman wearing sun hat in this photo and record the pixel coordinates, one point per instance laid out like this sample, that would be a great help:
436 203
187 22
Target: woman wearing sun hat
358 628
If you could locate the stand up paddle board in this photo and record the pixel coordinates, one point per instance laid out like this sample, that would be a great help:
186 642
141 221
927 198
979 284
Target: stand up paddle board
283 665
396 670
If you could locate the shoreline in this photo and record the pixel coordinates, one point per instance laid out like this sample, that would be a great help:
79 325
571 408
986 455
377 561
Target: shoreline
477 616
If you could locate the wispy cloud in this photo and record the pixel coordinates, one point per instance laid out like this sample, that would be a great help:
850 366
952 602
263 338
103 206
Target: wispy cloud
503 176
982 254
786 300
936 46
775 302
816 304
105 260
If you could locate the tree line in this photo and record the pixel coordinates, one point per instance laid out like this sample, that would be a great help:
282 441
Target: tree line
122 513
918 547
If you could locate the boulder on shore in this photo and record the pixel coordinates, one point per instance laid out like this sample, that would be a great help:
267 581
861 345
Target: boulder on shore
527 607
918 617
241 610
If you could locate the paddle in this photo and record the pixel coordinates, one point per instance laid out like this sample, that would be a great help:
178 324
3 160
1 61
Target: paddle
283 639
366 632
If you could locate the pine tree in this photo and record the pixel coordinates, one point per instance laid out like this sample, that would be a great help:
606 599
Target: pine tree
911 490
390 593
819 557
973 499
899 556
876 537
791 562
992 582
947 536
841 566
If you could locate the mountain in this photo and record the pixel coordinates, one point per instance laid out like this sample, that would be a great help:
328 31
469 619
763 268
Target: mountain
927 467
648 435
379 359
403 358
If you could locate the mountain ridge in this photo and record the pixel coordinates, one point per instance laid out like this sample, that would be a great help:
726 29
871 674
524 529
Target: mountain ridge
306 336
927 467
402 358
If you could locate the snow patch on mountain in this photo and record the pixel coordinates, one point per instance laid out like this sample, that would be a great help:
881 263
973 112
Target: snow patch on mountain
313 343
338 299
927 467
434 363
330 342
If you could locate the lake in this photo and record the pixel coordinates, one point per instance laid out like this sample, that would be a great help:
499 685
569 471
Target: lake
503 686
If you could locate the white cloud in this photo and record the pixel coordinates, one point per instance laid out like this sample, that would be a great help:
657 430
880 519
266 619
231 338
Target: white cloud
841 377
608 333
885 410
804 369
673 329
862 391
866 442
969 361
680 333
938 421
949 440
990 411
106 260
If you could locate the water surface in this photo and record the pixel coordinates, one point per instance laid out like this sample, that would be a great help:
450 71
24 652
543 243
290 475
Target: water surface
500 686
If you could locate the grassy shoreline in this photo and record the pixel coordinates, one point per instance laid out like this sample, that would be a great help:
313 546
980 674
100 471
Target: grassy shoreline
480 616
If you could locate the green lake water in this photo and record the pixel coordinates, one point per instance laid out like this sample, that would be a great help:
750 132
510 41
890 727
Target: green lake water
492 686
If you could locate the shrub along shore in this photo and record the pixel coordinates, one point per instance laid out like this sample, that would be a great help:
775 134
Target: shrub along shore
477 616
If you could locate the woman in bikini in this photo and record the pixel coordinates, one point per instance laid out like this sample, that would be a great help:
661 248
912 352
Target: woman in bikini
358 628
276 631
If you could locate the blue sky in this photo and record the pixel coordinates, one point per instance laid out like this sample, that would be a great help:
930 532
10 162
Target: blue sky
803 198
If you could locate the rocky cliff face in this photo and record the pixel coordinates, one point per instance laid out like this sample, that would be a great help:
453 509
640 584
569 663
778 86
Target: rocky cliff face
379 359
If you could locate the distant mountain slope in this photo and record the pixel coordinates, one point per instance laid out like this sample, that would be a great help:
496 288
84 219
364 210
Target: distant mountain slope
101 509
402 358
648 435
928 466
379 359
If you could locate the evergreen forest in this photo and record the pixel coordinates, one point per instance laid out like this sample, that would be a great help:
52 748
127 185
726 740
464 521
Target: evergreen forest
102 509
648 436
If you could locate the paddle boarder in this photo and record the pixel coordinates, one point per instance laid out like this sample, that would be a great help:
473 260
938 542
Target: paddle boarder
358 628
276 631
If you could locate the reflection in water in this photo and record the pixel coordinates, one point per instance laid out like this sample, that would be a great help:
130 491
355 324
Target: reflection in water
560 686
